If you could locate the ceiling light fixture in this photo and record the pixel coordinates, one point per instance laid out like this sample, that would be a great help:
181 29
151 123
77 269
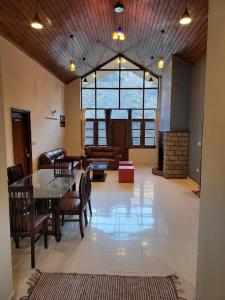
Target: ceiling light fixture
36 22
161 61
72 61
151 80
119 8
119 34
85 81
186 17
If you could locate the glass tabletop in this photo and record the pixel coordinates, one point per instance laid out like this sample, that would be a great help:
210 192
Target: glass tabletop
47 185
98 166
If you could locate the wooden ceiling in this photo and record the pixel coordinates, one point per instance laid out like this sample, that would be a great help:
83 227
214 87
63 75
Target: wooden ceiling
92 23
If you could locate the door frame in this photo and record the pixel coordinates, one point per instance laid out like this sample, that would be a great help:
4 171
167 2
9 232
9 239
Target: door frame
27 115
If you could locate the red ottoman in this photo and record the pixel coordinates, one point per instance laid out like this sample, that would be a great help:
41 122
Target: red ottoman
125 163
126 174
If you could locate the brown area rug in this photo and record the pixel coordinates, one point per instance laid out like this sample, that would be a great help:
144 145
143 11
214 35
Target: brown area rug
73 286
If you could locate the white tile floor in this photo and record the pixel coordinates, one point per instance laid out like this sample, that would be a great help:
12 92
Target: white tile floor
146 228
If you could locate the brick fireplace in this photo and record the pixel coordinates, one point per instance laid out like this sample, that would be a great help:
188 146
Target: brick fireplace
172 154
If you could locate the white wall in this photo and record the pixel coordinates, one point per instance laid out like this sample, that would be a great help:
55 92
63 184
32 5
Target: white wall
27 85
5 248
211 253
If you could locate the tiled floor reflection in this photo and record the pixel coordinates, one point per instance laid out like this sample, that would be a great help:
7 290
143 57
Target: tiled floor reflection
146 228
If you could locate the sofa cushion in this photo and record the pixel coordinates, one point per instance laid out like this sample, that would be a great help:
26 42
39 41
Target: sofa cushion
102 154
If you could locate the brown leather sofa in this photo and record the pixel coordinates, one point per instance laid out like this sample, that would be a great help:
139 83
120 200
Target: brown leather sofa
46 159
110 154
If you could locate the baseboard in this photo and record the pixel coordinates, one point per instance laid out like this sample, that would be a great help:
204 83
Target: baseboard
12 296
194 182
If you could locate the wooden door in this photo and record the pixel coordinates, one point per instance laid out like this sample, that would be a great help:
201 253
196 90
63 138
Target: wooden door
119 135
21 133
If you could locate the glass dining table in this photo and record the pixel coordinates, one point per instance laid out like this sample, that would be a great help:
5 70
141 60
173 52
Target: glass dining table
49 187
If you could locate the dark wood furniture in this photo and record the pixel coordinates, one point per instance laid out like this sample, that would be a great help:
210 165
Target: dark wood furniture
102 154
98 171
15 173
46 159
76 205
24 219
48 191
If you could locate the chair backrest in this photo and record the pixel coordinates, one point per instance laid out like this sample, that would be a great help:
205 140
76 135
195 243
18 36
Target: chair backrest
82 189
22 209
62 167
15 173
88 184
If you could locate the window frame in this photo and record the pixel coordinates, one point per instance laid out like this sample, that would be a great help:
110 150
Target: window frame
143 89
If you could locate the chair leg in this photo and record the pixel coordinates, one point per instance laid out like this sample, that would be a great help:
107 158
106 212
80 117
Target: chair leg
85 217
62 220
32 252
90 209
46 235
17 242
81 225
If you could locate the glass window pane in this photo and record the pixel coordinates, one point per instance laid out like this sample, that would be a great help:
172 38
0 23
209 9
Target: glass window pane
107 79
149 84
107 98
114 64
149 141
89 125
126 64
149 125
137 114
88 98
100 114
89 133
89 114
101 125
132 79
131 98
136 133
136 125
136 141
149 114
90 83
149 133
102 141
102 133
119 114
151 97
89 141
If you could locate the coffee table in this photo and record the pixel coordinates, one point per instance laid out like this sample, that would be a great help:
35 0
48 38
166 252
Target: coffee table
98 171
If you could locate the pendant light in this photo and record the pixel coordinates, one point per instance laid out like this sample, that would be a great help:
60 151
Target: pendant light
161 61
72 61
151 80
186 17
36 22
119 34
85 81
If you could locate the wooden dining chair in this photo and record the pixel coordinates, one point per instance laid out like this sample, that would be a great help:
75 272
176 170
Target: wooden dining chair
75 206
24 220
88 189
15 173
62 167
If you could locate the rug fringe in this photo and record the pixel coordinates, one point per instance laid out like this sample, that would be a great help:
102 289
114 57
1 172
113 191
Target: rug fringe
177 283
32 281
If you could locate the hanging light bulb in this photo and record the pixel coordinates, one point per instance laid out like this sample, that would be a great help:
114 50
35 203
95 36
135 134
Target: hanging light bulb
36 22
161 62
72 65
72 61
185 18
85 81
151 80
115 35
